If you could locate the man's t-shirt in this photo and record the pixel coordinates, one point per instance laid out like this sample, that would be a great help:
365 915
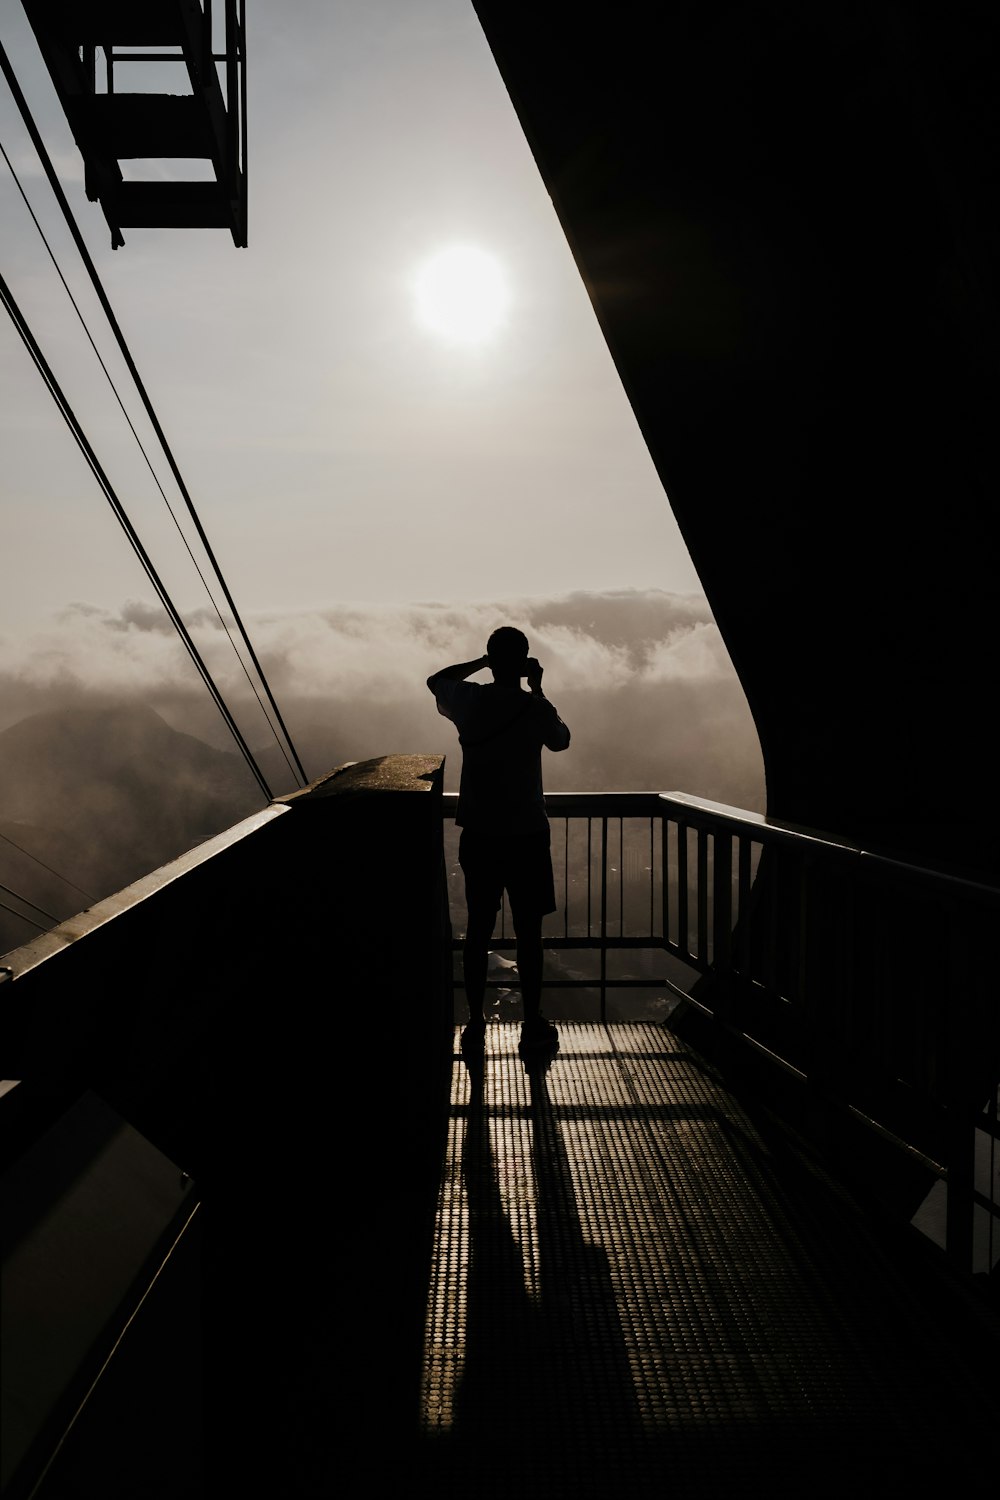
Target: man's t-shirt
502 732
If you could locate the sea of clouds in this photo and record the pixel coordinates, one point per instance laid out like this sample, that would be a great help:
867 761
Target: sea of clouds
642 678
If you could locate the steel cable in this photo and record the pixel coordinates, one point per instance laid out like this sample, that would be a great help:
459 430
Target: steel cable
18 897
23 916
142 450
6 296
28 855
56 186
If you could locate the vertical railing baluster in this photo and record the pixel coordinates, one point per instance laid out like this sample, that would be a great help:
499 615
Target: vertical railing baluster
683 934
621 877
702 896
665 876
722 902
652 880
566 877
771 954
590 883
604 918
722 919
743 898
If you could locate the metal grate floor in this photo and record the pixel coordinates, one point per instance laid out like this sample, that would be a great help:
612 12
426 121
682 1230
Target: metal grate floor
636 1291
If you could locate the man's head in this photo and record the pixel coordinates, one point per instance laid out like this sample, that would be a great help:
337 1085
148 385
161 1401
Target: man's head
507 650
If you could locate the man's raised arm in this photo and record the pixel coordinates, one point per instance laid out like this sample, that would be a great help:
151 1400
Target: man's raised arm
458 673
557 735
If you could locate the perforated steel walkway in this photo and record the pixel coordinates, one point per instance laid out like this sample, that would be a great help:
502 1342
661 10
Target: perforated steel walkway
636 1291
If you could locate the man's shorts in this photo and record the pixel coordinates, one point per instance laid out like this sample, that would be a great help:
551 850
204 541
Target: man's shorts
521 866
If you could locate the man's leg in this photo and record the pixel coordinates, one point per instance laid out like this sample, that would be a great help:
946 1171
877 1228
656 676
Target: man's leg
475 957
528 931
532 894
536 1032
483 893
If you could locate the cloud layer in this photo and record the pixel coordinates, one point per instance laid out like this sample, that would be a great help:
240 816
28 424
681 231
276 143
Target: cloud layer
641 677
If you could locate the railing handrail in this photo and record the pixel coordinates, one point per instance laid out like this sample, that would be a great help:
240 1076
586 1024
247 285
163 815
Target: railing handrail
587 804
700 813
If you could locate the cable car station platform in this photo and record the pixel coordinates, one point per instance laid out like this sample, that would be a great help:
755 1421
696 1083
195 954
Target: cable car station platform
642 1285
267 1223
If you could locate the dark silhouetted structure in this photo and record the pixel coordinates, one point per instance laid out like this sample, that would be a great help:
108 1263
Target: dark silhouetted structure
206 122
786 219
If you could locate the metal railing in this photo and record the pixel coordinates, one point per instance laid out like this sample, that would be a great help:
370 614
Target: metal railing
868 980
607 870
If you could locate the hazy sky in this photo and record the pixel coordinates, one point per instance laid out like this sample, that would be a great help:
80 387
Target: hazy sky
379 494
336 447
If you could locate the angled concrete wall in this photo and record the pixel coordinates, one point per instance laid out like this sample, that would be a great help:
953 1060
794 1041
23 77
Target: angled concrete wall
273 1014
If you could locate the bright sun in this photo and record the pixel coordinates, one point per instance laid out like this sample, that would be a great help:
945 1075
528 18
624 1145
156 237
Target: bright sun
461 294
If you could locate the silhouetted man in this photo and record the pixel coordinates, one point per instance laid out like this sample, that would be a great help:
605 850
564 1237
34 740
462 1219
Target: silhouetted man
504 843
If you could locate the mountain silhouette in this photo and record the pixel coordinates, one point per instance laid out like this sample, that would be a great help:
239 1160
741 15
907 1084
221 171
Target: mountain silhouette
103 796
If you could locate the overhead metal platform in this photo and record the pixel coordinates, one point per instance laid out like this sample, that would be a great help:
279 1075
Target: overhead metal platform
83 44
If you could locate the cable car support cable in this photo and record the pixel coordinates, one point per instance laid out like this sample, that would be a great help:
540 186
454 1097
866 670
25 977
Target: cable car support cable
28 855
6 296
18 897
142 450
23 916
56 186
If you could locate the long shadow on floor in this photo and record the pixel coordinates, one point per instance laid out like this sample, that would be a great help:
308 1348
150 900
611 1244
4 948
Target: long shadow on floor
840 1390
538 1287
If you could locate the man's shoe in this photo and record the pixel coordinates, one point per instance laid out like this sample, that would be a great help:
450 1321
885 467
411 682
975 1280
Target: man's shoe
538 1032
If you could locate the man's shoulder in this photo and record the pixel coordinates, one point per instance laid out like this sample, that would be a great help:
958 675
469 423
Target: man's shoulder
461 698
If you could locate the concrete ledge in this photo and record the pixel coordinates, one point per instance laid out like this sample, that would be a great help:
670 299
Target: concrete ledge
233 959
386 773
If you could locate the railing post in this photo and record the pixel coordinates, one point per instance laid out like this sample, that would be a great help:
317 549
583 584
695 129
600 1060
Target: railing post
744 886
683 936
722 917
702 897
665 874
604 920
